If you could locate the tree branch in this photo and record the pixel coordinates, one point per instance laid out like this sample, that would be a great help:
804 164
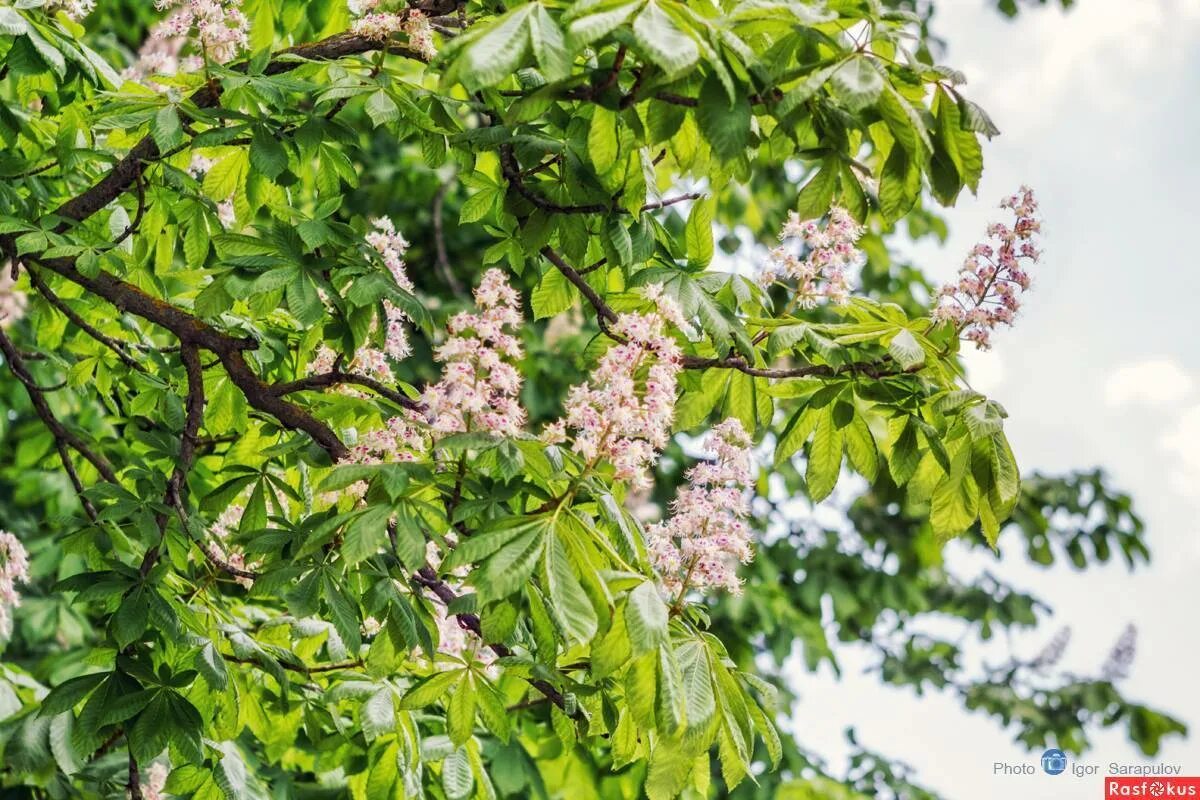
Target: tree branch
191 330
427 578
53 299
63 438
883 368
439 241
337 377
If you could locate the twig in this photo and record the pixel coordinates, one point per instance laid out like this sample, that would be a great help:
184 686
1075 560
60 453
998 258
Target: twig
605 315
53 299
63 437
337 377
428 579
439 241
135 781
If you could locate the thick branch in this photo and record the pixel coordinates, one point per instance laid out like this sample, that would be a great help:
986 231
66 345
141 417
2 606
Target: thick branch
191 330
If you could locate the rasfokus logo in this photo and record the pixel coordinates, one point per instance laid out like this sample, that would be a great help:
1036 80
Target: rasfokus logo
1054 761
1151 787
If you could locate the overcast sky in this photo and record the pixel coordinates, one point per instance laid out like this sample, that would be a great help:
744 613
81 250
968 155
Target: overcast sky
1098 112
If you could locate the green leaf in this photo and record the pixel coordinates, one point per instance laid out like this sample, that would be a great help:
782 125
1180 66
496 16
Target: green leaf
553 295
697 684
953 506
457 777
824 458
226 176
724 123
602 139
366 534
69 693
905 455
344 611
165 128
646 618
569 604
861 448
211 665
817 195
231 774
508 570
496 54
858 83
131 618
460 712
698 233
796 433
906 350
961 146
431 689
588 28
549 45
662 42
267 154
974 118
381 108
899 185
12 23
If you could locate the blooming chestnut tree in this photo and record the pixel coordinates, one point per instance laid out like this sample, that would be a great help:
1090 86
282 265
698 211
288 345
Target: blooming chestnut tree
326 509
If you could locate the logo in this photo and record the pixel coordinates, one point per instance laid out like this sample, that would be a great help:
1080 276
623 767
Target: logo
1054 762
1140 788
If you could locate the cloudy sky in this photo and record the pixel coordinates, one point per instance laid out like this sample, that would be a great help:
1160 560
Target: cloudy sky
1098 112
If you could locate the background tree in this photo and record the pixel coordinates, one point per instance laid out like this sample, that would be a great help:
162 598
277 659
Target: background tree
307 517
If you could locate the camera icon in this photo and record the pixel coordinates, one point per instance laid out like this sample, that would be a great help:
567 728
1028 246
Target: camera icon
1054 762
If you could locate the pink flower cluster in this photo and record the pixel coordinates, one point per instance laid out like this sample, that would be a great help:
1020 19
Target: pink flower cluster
12 299
706 536
987 292
381 25
398 440
479 385
14 569
392 246
156 781
220 29
816 258
161 54
76 10
623 414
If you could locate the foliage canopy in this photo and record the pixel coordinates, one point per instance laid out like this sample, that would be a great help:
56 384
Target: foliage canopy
307 520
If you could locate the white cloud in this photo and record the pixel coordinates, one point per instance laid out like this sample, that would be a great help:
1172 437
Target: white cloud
1182 440
1155 382
1098 52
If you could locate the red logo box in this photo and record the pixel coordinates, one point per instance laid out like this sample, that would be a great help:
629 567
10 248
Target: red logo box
1151 787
